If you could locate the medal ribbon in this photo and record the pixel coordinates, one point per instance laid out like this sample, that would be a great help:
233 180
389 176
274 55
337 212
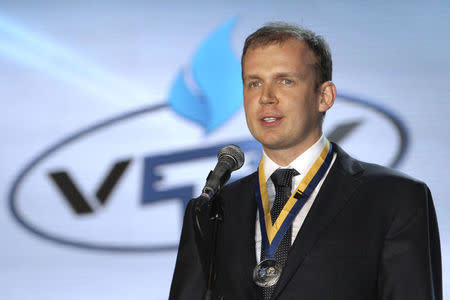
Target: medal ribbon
273 234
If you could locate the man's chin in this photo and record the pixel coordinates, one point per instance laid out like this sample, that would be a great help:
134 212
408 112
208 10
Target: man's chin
270 141
274 146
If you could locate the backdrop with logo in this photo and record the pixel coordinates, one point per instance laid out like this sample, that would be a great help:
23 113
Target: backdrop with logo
113 112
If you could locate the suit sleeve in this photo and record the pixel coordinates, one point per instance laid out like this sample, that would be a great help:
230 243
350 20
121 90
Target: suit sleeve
188 279
411 260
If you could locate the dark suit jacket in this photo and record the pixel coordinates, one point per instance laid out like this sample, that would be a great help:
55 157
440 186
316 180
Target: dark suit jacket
370 234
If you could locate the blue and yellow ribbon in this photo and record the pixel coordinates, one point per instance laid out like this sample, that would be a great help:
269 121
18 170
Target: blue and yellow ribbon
272 234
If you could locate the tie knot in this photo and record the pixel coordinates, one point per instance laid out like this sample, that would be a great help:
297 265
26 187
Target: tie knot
283 177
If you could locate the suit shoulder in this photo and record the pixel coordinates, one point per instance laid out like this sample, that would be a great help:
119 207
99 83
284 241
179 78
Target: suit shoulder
393 188
381 174
381 184
369 172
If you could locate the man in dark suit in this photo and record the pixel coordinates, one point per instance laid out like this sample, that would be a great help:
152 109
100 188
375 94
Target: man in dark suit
350 230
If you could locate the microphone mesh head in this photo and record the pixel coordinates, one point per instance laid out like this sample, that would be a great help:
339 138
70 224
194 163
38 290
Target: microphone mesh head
235 153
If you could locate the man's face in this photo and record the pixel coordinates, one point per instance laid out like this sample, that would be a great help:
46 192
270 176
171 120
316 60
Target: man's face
280 100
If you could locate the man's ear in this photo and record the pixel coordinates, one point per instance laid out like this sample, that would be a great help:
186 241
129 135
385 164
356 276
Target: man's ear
327 95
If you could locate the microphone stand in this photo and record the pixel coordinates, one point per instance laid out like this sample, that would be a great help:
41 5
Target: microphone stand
215 217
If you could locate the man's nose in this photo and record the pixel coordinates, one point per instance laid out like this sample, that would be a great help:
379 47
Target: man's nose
268 95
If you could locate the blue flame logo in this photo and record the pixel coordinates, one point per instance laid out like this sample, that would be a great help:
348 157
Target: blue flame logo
211 91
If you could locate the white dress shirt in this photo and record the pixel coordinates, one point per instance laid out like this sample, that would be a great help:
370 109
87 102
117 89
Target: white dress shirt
302 164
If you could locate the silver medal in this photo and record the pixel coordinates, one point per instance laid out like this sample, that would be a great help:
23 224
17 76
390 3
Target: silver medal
267 273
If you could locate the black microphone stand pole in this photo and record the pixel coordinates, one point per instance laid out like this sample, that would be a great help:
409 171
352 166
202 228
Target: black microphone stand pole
215 217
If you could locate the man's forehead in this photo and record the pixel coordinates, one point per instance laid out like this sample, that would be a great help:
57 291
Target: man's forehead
268 55
303 49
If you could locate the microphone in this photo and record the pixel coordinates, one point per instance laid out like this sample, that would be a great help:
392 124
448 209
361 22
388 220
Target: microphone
230 158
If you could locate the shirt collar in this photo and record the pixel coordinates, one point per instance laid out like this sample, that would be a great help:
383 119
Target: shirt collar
302 163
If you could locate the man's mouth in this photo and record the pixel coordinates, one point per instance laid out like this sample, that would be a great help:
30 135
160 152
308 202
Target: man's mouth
270 119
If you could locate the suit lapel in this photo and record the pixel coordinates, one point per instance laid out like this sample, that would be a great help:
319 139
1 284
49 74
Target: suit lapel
334 194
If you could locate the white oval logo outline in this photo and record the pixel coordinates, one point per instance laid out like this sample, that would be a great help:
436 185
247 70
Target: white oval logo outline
398 157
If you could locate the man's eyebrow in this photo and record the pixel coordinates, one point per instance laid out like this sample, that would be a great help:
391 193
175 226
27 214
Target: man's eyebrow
279 75
251 76
290 74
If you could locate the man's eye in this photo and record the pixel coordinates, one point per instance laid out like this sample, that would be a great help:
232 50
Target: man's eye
254 84
287 81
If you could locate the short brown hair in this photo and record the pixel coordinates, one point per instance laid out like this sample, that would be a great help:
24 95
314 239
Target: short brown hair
279 32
